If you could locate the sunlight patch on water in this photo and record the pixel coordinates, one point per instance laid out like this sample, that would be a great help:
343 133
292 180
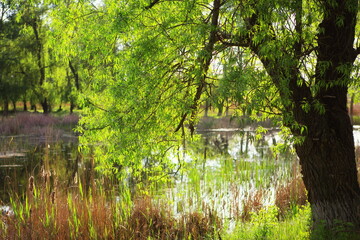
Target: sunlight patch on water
357 135
227 170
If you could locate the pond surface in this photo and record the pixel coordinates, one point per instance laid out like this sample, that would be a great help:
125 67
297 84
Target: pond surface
22 156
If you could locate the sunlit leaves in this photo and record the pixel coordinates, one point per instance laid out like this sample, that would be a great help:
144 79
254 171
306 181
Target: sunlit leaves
142 65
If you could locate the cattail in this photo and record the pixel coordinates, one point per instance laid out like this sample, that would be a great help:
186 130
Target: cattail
52 197
31 184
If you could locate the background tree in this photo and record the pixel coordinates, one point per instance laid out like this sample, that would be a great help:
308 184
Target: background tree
12 84
32 18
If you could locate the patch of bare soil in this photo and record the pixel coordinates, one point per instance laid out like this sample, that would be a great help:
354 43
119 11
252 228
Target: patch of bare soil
356 109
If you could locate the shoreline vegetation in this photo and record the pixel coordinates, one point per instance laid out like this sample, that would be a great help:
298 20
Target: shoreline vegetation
99 207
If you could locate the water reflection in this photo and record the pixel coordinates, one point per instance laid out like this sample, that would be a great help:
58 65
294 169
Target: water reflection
55 160
224 168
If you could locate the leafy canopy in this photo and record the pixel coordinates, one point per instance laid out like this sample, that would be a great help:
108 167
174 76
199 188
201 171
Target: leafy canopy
149 66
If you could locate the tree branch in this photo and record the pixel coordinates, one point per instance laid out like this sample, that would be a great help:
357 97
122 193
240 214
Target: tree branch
152 4
76 75
204 61
285 81
298 28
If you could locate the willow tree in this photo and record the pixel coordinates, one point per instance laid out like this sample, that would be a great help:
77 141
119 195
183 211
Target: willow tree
155 62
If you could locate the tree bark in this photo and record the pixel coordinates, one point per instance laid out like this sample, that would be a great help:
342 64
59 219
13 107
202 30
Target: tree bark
220 109
6 107
327 159
72 106
14 105
207 106
40 63
76 75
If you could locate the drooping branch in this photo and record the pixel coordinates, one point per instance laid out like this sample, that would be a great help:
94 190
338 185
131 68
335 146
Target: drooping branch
230 40
205 60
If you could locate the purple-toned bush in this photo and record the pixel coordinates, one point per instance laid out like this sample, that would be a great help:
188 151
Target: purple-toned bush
71 119
33 123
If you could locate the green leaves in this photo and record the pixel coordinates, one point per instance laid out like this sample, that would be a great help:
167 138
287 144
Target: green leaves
146 69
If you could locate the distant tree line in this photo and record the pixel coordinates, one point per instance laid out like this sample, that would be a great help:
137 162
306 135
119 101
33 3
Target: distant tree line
30 72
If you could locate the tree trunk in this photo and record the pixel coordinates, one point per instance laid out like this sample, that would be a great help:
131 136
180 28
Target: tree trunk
25 105
220 109
60 108
327 159
207 106
6 107
14 105
45 106
327 156
76 75
33 107
72 106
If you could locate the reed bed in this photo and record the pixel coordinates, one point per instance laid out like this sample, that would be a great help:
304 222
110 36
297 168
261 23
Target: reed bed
104 210
50 212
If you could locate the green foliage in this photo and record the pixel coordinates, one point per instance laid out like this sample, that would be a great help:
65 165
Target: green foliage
147 69
265 225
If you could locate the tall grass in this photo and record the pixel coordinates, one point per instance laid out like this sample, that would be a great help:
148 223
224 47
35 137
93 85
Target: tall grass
56 213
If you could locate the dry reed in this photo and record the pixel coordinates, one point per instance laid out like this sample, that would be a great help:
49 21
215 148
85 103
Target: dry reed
70 214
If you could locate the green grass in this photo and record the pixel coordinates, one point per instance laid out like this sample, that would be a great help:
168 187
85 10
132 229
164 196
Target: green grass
265 224
356 120
296 225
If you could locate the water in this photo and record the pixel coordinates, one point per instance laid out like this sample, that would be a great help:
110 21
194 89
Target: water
226 168
40 156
